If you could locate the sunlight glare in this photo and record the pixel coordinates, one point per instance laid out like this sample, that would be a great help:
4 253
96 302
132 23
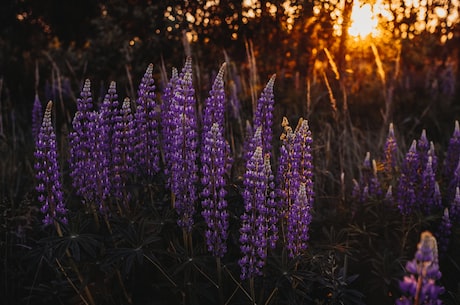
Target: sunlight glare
363 21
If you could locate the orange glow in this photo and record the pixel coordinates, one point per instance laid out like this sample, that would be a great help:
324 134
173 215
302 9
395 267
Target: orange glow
363 21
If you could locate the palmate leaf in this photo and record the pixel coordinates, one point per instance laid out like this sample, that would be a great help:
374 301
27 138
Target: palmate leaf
75 244
132 241
53 292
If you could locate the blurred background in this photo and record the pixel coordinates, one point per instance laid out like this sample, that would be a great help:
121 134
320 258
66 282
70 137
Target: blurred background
380 58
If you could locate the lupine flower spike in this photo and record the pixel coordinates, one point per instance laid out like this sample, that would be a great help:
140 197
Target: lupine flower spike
453 154
406 196
263 119
426 197
298 222
83 150
369 186
419 286
37 116
146 117
288 169
105 143
434 158
389 196
444 232
168 124
390 152
423 147
122 151
213 160
184 169
254 229
298 215
454 208
49 186
263 116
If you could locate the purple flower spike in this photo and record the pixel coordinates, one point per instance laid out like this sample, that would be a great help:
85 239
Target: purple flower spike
147 152
406 194
168 124
434 158
263 116
390 152
270 203
49 185
427 194
298 223
213 195
214 161
369 186
389 196
215 103
254 228
106 153
453 154
83 150
423 147
375 188
37 116
444 232
184 144
419 285
288 179
454 209
122 151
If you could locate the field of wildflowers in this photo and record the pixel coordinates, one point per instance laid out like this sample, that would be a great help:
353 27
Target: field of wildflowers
165 198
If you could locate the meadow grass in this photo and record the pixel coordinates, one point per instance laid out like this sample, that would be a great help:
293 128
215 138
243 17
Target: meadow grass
132 250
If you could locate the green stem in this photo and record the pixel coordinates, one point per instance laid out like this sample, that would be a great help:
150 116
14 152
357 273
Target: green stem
219 281
252 290
75 268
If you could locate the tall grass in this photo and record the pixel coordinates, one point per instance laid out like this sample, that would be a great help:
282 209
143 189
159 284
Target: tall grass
356 251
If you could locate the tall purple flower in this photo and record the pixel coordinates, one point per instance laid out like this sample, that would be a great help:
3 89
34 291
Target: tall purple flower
263 118
444 232
122 151
272 217
434 158
369 186
147 152
82 142
419 286
288 179
303 143
427 193
407 184
254 228
454 182
388 199
214 157
184 145
49 185
37 116
298 222
168 125
295 177
454 208
106 140
423 146
453 154
390 152
214 107
213 194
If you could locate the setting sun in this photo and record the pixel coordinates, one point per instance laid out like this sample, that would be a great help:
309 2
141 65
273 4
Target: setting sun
363 21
